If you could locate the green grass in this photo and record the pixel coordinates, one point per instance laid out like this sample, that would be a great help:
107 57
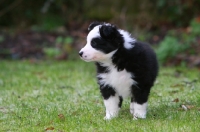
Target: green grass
64 96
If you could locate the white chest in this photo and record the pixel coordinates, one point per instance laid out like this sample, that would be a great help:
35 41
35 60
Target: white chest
121 81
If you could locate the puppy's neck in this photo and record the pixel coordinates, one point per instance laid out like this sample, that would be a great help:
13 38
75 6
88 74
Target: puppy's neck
108 60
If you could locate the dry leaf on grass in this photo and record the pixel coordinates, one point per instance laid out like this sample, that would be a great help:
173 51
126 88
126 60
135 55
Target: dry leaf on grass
61 116
49 128
187 107
176 100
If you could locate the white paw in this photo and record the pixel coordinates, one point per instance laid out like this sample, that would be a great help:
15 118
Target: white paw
112 107
139 115
138 111
109 115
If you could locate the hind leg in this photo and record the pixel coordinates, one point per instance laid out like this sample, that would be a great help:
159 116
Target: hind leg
138 110
138 106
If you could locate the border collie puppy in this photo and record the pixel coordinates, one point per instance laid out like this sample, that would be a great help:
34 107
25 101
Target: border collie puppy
125 67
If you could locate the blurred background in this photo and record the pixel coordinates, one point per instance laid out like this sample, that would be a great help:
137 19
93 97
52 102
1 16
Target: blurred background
57 29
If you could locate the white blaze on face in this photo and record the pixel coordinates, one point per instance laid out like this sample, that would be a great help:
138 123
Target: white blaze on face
91 54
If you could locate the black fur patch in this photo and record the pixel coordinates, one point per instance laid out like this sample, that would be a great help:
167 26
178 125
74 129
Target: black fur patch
103 45
120 101
107 91
108 31
111 34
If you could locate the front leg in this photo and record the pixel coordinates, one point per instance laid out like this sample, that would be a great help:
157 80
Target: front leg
112 102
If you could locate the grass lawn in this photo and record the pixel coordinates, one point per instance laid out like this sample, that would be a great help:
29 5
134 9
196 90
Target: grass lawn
64 96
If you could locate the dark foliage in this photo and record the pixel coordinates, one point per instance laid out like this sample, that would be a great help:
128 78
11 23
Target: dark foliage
127 13
27 24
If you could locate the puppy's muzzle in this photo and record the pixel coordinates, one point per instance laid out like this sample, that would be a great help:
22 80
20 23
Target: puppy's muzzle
81 53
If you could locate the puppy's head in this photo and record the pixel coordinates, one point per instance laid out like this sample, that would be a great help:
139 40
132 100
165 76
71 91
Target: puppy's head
102 42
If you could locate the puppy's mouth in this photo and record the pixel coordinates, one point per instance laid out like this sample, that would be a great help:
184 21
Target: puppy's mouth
87 60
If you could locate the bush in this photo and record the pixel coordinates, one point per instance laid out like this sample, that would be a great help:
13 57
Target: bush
179 42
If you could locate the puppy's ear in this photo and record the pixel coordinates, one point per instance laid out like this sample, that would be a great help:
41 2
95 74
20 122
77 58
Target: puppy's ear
108 31
93 24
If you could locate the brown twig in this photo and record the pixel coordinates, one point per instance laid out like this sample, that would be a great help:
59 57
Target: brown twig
10 7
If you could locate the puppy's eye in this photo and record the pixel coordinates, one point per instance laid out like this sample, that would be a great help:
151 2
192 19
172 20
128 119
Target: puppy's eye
93 43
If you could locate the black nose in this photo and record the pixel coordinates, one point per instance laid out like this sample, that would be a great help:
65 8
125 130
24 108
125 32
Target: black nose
81 53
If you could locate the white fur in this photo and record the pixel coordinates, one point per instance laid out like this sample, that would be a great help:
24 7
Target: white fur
112 107
138 110
94 33
91 54
128 40
120 80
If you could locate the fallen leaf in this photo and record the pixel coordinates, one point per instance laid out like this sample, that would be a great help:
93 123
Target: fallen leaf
176 100
190 106
61 116
187 107
49 128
